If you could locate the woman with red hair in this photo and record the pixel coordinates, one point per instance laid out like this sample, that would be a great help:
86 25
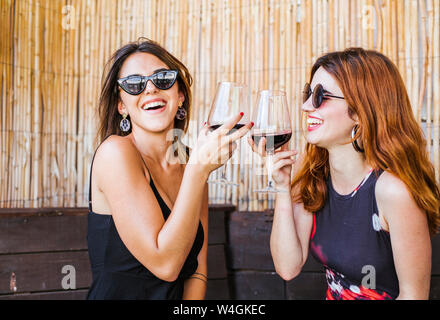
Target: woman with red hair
363 197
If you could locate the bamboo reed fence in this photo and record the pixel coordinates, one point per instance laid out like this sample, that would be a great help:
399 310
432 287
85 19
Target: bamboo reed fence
53 53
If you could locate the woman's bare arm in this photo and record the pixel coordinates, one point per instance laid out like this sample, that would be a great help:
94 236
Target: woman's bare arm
195 286
409 233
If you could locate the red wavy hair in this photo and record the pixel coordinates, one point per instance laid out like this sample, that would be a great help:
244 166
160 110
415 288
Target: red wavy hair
392 138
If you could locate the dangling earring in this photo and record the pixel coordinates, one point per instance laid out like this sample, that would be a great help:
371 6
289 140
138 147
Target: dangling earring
354 143
181 112
125 123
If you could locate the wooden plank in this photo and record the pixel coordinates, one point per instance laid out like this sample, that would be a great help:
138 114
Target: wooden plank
57 229
435 288
57 211
53 295
252 285
221 207
32 212
248 236
307 286
43 271
217 290
216 226
43 233
216 262
217 284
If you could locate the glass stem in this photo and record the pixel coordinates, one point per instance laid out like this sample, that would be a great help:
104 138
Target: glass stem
269 165
223 172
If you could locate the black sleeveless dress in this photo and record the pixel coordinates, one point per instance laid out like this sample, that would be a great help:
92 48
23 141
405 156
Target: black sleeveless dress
356 252
117 274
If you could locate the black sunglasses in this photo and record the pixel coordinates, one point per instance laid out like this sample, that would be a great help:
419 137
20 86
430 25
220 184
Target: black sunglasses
136 84
319 94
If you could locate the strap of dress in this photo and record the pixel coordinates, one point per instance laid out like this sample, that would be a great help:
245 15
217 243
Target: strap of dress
90 174
90 181
362 183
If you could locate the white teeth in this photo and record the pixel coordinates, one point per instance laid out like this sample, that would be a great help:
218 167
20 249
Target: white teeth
314 121
153 104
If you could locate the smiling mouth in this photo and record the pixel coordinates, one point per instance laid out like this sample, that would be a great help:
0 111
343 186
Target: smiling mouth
155 105
313 123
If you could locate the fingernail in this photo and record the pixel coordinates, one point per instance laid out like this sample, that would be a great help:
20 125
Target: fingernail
204 124
252 124
241 113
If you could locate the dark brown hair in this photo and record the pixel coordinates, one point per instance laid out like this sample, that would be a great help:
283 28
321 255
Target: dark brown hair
388 130
109 117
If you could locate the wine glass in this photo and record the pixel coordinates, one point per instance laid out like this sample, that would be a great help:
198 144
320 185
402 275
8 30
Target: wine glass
271 119
230 99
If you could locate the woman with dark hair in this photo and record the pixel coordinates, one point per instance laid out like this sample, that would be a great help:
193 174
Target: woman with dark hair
363 197
148 202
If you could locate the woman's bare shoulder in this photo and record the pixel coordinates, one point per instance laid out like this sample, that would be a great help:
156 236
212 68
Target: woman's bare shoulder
116 145
117 154
390 188
395 201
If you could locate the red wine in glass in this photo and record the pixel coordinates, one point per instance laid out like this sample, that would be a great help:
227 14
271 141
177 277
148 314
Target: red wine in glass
273 140
272 121
230 99
216 126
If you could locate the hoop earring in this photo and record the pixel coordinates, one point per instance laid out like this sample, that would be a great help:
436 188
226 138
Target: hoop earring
181 113
125 123
354 143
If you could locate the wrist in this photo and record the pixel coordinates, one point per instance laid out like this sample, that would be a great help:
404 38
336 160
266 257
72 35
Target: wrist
282 193
285 186
196 171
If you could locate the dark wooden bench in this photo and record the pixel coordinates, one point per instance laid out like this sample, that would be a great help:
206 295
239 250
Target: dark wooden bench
35 245
252 273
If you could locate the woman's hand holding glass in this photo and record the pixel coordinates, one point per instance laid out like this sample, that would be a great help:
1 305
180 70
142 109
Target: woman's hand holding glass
215 148
282 162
